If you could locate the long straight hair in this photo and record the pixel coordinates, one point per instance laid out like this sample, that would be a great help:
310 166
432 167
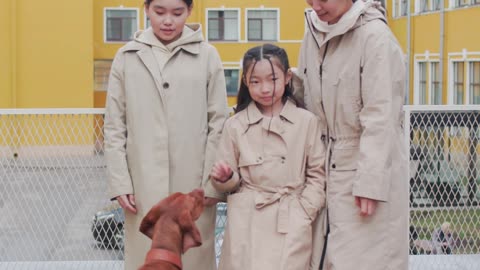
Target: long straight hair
251 57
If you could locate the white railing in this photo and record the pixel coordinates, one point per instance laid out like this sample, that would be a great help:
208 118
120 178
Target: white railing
52 173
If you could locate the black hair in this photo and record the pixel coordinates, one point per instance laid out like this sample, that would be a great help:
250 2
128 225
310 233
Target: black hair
251 57
188 2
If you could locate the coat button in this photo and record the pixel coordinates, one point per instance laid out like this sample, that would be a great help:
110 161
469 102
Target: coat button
334 166
166 85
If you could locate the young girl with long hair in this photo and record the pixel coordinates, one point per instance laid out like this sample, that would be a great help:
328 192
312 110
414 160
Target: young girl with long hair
271 163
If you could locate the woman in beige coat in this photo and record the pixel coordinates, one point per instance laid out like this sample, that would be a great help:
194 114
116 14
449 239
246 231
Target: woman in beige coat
353 72
271 161
166 106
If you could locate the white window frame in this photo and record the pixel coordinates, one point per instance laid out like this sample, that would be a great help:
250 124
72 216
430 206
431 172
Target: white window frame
145 22
418 5
432 8
397 10
430 82
239 78
262 9
406 9
468 88
453 4
451 76
416 97
223 9
428 58
105 22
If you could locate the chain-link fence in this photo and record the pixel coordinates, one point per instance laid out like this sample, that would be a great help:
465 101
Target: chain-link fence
444 180
54 212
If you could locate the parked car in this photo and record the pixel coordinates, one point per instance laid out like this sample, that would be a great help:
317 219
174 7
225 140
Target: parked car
107 227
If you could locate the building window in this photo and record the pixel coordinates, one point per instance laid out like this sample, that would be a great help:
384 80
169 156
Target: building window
223 25
475 82
461 3
403 7
120 24
436 92
147 22
101 72
231 78
458 85
436 4
262 25
423 6
422 83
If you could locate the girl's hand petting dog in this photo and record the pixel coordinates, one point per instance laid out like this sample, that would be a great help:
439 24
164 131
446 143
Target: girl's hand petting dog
221 171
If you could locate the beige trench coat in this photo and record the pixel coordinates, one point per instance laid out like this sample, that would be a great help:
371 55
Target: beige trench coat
161 131
277 188
354 81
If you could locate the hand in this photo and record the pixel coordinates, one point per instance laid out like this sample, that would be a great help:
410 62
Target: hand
221 171
367 206
208 201
127 202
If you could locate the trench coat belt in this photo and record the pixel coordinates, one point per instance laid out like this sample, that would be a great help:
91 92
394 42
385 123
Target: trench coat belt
267 196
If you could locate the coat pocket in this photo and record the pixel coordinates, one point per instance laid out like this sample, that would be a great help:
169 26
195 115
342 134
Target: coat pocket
250 160
344 159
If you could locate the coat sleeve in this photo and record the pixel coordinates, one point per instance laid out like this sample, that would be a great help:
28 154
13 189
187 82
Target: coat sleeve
382 91
313 196
228 152
115 131
217 114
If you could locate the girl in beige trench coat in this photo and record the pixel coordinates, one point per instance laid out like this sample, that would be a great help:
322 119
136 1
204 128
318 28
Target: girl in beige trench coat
271 161
166 105
353 73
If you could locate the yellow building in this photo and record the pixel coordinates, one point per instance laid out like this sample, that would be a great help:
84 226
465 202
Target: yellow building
58 53
46 54
231 26
441 40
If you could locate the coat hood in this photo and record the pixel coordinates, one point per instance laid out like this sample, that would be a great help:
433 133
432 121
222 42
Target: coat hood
192 33
359 14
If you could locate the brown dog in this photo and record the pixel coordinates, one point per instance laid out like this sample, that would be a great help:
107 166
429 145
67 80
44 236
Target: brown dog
171 226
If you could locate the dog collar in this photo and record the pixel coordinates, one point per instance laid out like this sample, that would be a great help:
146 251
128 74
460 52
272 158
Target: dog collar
157 254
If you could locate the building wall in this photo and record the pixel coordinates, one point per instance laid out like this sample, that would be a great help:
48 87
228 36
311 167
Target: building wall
51 54
5 53
459 42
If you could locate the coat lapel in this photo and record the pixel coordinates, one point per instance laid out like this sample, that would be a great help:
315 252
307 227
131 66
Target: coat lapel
148 59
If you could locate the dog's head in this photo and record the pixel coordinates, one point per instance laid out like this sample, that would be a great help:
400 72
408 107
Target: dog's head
183 209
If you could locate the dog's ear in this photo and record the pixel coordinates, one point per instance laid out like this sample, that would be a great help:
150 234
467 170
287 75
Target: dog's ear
148 222
191 234
150 219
